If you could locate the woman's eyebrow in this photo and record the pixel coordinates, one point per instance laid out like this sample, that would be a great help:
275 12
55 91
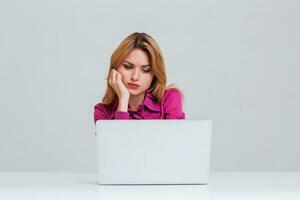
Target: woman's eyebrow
134 65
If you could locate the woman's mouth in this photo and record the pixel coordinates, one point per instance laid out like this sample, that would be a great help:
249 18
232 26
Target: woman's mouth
133 86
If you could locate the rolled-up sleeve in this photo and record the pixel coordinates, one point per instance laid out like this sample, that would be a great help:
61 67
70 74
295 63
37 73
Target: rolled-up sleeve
121 115
172 105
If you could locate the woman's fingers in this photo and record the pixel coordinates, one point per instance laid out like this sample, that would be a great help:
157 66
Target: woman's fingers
116 82
119 78
115 77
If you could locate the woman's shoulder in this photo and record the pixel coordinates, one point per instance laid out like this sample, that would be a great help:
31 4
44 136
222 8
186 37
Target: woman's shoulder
172 104
100 106
102 111
103 107
172 96
172 92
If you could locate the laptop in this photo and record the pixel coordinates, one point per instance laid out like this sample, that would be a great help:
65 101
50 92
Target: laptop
153 151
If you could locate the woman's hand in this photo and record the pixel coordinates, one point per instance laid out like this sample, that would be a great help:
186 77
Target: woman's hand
116 82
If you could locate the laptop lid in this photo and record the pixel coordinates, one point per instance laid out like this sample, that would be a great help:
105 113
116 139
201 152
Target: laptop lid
153 151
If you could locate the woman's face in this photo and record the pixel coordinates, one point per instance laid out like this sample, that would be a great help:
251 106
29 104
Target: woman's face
136 69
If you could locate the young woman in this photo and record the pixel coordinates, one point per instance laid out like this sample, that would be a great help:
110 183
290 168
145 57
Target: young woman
136 84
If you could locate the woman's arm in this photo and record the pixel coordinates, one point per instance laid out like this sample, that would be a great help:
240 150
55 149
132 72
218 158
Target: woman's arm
101 112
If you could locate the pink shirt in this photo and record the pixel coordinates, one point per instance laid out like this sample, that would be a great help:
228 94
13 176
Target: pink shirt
169 108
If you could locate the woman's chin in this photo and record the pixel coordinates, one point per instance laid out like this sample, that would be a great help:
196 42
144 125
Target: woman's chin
134 92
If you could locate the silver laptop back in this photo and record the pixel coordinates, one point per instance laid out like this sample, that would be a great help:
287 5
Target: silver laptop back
153 151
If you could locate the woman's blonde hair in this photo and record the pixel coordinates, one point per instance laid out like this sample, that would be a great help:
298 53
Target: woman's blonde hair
147 44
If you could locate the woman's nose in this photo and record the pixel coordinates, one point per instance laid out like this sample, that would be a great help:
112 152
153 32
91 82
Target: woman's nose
134 75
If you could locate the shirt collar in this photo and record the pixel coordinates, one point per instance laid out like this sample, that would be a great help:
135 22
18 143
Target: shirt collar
151 102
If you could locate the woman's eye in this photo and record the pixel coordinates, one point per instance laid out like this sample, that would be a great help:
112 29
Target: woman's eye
127 66
146 70
130 67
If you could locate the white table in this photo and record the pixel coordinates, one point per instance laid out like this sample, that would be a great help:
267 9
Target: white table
222 185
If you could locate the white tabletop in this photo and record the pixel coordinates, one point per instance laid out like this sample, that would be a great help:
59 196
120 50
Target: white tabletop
222 185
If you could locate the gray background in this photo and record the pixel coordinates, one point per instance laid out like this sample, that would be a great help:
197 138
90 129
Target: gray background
236 61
